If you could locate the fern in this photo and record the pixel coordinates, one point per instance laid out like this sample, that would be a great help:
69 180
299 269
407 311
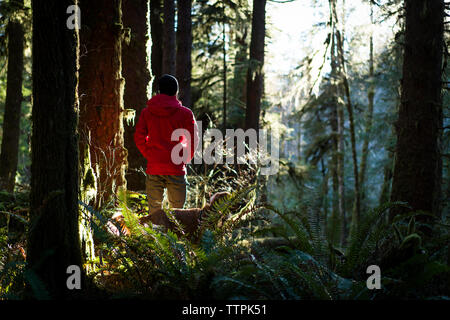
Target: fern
222 209
363 242
297 227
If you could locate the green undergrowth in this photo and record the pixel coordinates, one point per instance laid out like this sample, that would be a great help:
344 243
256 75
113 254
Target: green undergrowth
256 252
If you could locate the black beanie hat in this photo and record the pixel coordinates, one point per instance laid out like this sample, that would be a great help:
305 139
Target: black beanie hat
168 85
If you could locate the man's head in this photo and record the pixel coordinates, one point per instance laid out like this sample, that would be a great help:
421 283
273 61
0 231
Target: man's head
168 85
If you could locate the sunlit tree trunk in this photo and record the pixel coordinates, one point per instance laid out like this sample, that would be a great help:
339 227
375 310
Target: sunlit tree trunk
418 168
137 78
169 43
224 73
156 29
255 75
53 242
11 120
184 48
101 94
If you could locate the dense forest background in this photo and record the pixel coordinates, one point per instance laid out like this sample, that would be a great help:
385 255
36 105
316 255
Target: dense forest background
357 92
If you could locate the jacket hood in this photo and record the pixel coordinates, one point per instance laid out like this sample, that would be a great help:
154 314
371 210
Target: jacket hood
163 105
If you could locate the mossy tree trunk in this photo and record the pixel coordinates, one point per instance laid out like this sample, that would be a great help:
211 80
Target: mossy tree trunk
101 94
137 78
11 120
53 242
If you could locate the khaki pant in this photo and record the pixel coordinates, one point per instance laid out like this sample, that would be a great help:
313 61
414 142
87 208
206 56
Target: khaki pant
176 191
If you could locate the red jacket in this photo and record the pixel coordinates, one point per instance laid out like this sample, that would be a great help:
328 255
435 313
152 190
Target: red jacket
157 121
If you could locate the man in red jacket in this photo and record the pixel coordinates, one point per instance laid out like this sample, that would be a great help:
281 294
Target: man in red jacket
155 139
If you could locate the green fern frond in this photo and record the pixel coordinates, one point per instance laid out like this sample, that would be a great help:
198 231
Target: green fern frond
362 242
223 208
174 220
411 214
298 229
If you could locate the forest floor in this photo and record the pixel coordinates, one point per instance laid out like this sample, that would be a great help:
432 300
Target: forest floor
250 257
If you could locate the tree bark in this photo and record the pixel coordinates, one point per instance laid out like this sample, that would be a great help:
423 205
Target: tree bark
324 195
387 181
238 85
101 93
156 29
349 106
53 242
184 48
169 43
137 78
255 75
418 167
224 73
341 168
337 165
338 115
333 167
11 120
369 115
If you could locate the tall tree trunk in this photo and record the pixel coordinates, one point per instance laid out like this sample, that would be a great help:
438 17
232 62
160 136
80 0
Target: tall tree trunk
341 169
337 165
238 82
156 30
337 123
369 114
137 77
53 243
101 93
324 194
387 181
184 48
224 72
11 120
169 43
255 75
349 106
418 167
333 167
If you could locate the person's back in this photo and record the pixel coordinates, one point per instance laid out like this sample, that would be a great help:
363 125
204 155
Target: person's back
158 121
